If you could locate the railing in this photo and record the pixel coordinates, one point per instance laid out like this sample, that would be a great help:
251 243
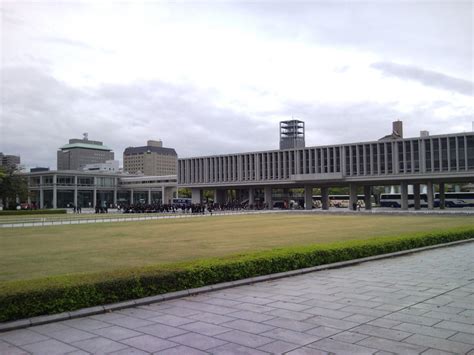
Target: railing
103 218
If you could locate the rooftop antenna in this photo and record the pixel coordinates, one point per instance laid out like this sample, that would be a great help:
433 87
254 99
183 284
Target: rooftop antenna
86 136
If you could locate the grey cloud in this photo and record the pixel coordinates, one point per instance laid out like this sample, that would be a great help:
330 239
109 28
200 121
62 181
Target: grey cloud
426 77
40 113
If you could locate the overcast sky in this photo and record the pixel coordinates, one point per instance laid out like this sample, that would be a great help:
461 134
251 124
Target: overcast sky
214 77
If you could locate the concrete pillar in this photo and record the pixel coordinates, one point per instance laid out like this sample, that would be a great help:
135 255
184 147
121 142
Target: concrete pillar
131 196
251 196
41 201
404 195
442 199
55 192
75 191
308 197
368 197
115 197
149 196
94 198
268 196
325 198
429 194
416 196
196 196
352 196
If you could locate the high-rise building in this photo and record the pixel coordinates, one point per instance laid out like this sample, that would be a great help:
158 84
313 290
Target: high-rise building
152 159
292 134
80 152
9 160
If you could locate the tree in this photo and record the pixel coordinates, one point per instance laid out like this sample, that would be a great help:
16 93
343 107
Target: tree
12 186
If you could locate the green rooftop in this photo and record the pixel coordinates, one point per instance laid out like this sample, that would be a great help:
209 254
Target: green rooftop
85 146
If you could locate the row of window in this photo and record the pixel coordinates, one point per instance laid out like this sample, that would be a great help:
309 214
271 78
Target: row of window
443 154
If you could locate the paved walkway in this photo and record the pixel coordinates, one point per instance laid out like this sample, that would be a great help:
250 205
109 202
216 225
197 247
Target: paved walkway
422 303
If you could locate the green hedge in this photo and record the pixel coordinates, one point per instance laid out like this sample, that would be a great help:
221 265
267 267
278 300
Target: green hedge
27 298
30 212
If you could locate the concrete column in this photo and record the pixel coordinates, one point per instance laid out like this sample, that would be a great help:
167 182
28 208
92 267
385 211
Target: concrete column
115 197
163 195
196 196
55 192
368 197
268 196
149 196
325 198
251 196
41 201
442 198
131 196
94 197
429 194
416 196
75 191
308 197
352 196
404 195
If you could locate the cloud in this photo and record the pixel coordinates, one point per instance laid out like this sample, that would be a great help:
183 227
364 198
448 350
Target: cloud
426 77
40 113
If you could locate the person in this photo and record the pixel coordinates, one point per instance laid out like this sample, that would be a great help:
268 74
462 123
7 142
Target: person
354 206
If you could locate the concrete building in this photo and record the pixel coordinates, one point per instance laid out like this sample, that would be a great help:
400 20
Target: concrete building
152 159
7 160
80 152
87 189
399 161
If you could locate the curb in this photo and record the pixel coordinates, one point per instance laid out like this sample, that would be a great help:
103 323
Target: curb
40 320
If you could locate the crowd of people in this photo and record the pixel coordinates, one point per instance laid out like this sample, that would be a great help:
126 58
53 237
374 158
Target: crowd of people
194 208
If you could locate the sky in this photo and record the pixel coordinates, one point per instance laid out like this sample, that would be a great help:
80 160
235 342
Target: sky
215 77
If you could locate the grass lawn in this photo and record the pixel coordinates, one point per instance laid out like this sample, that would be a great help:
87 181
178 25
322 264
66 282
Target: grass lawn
27 253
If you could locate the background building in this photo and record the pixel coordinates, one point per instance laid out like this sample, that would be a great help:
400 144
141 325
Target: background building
80 152
9 160
152 159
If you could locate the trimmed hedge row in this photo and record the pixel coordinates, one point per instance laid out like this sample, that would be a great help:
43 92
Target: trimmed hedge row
30 212
28 298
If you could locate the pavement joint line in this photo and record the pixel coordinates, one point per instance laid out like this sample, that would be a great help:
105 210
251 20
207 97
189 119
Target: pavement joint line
392 312
84 312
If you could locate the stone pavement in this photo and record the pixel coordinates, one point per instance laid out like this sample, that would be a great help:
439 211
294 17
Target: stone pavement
421 303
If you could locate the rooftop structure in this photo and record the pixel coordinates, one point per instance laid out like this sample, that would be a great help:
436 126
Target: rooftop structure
80 152
292 134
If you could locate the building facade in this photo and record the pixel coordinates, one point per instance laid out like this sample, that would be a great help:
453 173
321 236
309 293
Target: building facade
86 189
80 152
152 159
422 160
